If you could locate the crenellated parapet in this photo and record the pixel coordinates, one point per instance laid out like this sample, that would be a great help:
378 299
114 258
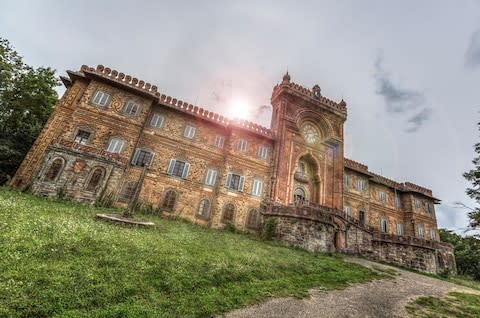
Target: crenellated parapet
357 166
314 95
404 187
143 87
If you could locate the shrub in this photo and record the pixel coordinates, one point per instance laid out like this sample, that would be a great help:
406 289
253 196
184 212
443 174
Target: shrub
269 229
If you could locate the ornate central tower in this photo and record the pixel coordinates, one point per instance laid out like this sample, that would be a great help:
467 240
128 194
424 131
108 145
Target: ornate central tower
308 159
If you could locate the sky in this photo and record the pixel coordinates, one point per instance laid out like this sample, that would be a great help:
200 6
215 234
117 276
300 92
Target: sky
408 70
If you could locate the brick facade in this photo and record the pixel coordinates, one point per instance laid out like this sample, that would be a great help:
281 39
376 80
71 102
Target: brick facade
211 170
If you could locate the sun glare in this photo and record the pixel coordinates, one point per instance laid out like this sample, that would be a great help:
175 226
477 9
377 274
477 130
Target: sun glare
239 109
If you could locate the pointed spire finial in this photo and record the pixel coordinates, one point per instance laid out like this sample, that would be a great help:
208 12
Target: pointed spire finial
286 78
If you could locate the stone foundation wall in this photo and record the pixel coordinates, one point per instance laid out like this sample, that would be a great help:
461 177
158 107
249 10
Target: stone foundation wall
307 234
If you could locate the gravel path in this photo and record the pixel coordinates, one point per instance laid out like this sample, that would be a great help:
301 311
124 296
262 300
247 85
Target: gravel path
379 298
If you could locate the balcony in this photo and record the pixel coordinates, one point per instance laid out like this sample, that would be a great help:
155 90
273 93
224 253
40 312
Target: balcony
300 177
87 149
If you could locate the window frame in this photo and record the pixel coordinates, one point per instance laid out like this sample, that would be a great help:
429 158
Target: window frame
211 177
346 181
133 103
121 196
136 155
201 204
262 152
99 182
257 187
224 210
240 184
172 167
399 228
123 141
421 231
98 104
361 185
255 225
165 206
156 116
241 145
383 225
347 211
382 196
219 141
59 171
189 131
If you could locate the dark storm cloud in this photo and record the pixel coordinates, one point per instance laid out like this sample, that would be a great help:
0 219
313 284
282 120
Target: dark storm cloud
397 100
400 100
472 56
418 119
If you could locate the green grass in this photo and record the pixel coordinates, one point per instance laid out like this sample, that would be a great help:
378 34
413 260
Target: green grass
461 305
57 261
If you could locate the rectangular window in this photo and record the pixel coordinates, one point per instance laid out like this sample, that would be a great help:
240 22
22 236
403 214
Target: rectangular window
257 187
361 185
189 132
430 208
399 229
116 145
347 211
346 181
211 177
101 98
262 152
82 137
398 202
219 141
417 204
156 121
421 231
142 158
241 145
433 235
131 108
235 182
381 197
178 168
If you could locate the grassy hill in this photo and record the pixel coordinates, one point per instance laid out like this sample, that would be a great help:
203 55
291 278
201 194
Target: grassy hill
56 260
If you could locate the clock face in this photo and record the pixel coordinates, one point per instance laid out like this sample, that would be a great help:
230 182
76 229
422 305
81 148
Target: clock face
310 133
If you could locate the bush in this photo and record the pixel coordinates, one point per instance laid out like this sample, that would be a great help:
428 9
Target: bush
230 226
269 229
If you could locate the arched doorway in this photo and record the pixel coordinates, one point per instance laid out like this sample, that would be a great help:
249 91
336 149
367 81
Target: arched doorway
299 196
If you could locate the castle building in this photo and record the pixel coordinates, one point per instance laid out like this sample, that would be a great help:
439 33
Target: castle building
110 131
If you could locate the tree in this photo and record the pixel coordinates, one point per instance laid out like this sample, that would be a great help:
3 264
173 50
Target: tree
467 252
474 192
27 97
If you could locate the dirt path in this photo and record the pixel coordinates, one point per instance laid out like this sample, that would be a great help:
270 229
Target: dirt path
380 298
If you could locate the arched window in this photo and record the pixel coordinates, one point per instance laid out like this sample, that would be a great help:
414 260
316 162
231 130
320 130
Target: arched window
128 191
253 219
54 170
228 213
299 197
203 211
361 217
384 226
301 168
169 200
95 179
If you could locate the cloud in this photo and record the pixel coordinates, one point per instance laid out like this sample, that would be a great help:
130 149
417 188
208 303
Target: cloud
472 55
418 119
397 100
400 100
